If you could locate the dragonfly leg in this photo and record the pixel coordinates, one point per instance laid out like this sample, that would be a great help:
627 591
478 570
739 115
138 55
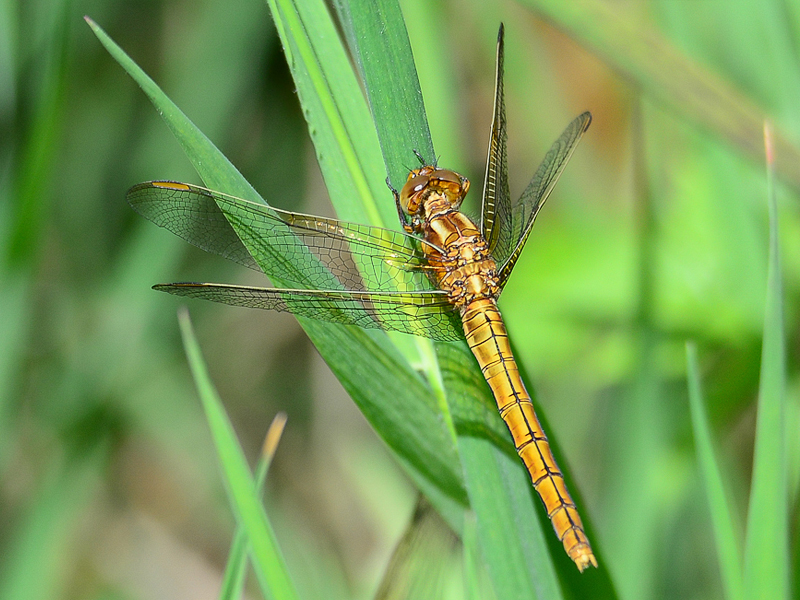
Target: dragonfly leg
400 212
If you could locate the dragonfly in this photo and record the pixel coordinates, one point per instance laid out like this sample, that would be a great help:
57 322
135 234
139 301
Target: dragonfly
440 277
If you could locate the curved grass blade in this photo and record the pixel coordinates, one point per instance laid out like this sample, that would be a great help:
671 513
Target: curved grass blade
267 558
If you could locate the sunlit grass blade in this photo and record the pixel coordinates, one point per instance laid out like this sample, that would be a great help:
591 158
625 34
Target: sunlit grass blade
233 578
643 55
267 559
728 549
393 397
336 111
766 558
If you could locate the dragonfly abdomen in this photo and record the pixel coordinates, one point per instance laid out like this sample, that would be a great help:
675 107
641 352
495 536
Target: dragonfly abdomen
488 340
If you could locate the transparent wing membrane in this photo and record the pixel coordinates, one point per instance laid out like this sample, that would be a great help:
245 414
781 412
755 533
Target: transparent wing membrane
496 205
524 210
427 314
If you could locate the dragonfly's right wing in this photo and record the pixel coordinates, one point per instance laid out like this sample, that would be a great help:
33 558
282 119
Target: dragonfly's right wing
496 207
427 314
298 249
524 210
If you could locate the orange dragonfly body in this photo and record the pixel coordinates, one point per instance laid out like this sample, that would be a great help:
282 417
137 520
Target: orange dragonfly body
441 278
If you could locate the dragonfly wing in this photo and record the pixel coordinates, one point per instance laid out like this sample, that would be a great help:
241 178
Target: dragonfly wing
427 314
191 215
524 211
496 206
298 249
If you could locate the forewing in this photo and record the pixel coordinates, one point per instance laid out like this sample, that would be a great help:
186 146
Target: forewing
427 314
297 249
496 206
524 211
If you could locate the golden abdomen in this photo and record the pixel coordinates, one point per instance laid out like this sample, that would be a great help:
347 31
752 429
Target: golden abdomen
487 337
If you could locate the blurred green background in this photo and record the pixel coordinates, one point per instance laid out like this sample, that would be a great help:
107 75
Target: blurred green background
656 234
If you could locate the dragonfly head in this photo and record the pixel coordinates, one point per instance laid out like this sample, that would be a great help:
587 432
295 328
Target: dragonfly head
426 180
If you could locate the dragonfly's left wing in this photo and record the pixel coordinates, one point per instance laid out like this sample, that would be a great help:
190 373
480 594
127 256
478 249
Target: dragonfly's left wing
524 211
427 314
302 250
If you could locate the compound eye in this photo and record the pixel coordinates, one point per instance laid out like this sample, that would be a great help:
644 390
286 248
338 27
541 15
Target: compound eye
417 184
409 200
446 175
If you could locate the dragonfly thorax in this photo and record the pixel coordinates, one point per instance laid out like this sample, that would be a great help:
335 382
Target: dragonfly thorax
427 180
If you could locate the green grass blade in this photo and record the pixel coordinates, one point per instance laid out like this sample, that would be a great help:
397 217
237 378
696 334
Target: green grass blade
643 55
766 558
728 551
380 40
395 400
233 577
267 559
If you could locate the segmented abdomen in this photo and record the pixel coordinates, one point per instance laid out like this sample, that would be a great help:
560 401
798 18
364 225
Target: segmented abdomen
487 337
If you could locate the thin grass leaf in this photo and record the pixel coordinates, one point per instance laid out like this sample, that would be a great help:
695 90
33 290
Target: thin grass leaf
233 577
728 549
393 397
766 558
644 56
267 558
